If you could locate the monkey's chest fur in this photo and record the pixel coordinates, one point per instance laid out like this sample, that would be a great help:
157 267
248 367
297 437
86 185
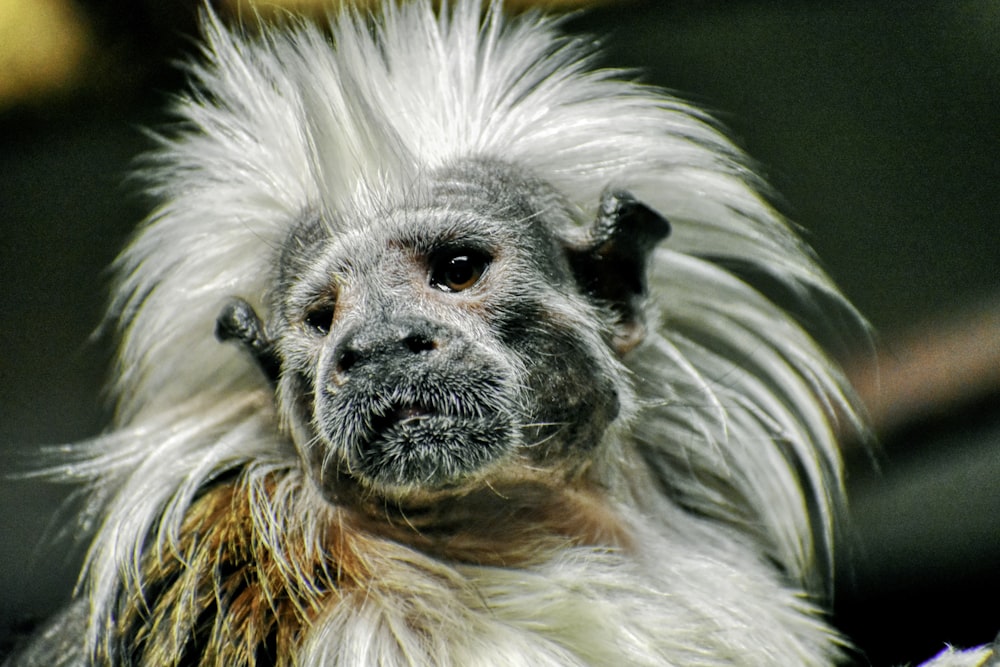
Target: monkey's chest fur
226 595
553 578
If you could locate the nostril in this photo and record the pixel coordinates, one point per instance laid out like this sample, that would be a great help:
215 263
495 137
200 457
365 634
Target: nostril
418 344
346 360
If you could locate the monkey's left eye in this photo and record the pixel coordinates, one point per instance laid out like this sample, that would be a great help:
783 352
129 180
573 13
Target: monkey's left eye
458 270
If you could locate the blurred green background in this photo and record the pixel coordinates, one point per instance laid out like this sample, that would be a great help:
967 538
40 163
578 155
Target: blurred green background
878 122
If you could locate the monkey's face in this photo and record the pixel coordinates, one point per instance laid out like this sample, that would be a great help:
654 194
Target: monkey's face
456 340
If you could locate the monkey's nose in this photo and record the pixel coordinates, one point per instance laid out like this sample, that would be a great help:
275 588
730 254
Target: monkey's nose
398 345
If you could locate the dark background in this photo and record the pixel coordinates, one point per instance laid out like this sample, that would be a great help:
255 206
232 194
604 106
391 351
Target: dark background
880 127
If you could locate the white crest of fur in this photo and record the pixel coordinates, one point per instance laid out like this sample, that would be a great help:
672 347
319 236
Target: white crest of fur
736 403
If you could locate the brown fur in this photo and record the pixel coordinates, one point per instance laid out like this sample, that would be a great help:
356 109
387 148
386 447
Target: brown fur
223 596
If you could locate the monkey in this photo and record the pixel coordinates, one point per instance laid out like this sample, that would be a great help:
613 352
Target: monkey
442 347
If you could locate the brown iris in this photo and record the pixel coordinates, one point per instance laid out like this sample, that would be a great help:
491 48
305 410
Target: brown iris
458 270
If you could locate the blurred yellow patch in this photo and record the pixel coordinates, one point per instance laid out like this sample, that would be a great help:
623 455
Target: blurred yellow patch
43 44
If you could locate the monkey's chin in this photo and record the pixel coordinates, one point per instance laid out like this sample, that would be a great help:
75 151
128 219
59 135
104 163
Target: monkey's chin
413 449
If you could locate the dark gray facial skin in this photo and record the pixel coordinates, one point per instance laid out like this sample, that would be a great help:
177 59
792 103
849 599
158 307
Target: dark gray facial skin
457 339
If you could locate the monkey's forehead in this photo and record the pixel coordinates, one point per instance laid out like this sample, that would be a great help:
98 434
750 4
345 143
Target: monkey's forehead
475 201
420 230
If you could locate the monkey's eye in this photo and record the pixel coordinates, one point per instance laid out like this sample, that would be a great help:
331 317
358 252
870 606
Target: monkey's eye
319 317
458 270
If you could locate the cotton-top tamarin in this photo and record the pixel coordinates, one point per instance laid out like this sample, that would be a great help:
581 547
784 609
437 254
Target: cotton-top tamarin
440 350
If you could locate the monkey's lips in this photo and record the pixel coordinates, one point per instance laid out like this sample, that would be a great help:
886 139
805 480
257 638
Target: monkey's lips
401 416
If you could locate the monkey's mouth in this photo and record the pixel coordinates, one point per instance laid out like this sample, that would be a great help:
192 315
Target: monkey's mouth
404 438
400 416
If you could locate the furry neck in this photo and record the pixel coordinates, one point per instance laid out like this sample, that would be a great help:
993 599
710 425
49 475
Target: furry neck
258 577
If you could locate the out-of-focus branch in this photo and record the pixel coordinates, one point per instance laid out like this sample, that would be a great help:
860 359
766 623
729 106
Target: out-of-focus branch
932 370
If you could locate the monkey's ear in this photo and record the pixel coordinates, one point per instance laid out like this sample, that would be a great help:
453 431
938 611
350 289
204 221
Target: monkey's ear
610 265
239 321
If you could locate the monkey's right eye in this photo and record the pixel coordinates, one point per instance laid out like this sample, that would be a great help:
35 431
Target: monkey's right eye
319 317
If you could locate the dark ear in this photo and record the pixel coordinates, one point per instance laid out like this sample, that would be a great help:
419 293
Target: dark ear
610 266
239 321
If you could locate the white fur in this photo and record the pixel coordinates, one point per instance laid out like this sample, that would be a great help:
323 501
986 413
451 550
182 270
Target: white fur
736 405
